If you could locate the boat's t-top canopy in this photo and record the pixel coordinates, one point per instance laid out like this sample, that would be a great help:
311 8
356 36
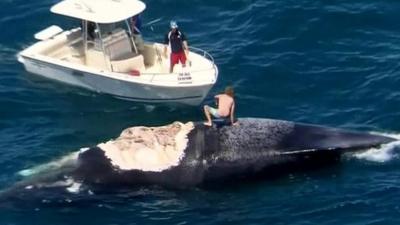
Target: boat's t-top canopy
99 11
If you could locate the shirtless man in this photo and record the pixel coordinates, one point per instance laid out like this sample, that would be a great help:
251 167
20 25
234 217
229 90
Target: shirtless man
226 107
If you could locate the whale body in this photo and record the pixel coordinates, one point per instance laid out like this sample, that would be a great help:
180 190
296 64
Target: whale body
191 154
214 154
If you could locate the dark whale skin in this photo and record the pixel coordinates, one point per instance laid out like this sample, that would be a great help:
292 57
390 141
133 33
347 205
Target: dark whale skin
252 148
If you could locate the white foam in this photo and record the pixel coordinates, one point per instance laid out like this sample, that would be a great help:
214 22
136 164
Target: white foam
149 108
74 188
148 149
68 182
68 159
83 150
382 154
392 135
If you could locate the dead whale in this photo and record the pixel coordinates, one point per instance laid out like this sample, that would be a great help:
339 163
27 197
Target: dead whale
190 154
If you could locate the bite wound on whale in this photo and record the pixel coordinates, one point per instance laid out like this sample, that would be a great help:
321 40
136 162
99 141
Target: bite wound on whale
148 148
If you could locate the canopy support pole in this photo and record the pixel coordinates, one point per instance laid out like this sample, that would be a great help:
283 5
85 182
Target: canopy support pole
85 35
131 35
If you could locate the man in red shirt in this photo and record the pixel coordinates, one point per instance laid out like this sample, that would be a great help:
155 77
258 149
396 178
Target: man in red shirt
179 47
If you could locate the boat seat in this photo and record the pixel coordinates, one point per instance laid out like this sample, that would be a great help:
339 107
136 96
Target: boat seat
118 46
54 44
74 35
96 59
127 65
149 55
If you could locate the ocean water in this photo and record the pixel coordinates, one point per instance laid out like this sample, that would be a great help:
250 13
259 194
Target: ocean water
333 63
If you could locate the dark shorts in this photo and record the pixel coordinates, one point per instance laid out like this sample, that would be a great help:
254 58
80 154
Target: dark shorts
176 57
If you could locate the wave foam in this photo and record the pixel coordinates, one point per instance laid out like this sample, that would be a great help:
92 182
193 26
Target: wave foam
382 154
74 188
64 161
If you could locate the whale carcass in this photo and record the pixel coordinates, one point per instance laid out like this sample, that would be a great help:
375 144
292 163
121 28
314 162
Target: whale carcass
190 154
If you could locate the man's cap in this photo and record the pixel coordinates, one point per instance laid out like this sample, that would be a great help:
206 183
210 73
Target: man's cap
173 24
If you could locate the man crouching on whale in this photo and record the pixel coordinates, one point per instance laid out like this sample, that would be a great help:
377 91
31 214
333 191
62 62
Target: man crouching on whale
226 107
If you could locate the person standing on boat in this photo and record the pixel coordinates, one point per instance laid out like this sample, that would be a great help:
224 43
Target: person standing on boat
136 27
91 30
178 44
226 107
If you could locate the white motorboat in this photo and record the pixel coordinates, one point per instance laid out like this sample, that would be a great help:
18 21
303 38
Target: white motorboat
108 59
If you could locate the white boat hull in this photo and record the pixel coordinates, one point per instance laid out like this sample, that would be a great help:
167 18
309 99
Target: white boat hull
123 89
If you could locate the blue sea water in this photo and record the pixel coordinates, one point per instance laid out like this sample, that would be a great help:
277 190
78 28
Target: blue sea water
333 63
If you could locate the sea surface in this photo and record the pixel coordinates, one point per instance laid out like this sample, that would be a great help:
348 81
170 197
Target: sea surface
333 63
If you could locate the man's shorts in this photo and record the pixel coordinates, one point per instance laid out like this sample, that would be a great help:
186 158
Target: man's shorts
178 56
214 112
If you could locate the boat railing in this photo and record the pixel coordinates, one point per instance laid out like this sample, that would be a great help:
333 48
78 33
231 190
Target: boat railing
202 52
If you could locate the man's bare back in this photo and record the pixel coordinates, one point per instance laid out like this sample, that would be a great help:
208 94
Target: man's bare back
226 107
225 103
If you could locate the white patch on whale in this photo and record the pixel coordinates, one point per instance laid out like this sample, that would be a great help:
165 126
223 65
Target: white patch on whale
148 148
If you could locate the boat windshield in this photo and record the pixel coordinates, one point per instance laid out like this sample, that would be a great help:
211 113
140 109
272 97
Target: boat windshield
110 28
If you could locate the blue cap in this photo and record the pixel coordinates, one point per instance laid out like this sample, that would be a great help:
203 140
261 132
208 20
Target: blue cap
173 24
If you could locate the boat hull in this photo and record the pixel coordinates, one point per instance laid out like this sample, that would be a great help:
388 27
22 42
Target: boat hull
119 88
